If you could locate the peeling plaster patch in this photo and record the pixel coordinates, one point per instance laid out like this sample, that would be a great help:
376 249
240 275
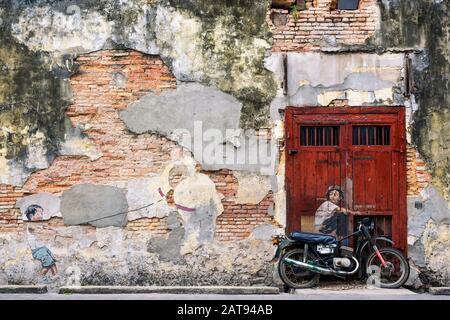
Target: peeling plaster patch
188 165
255 154
436 242
109 237
436 205
177 110
178 38
414 280
325 98
93 204
169 248
77 144
61 32
265 232
252 188
417 218
49 203
36 151
316 78
359 97
120 79
142 192
205 121
13 172
384 94
198 193
279 196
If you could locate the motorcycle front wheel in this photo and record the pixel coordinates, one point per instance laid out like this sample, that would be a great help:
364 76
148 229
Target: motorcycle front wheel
393 275
297 277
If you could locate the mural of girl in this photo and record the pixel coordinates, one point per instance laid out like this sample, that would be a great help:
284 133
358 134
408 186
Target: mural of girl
39 251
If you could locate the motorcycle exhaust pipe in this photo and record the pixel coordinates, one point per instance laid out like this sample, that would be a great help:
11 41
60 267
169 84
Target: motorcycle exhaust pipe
317 269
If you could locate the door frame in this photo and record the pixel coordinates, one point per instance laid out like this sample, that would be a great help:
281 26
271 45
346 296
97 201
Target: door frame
400 227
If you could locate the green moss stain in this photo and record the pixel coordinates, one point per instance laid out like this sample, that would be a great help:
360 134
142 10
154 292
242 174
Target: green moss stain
424 24
234 56
32 99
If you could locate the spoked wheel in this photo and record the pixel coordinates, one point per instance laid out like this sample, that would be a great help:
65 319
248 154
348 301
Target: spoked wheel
297 277
394 274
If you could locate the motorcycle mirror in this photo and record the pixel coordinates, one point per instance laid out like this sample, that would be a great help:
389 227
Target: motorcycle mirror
367 222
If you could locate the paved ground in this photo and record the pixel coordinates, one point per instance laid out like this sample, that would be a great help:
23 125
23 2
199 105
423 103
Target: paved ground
305 294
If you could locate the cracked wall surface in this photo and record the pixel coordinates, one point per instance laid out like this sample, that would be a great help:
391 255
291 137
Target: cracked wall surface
173 206
107 95
423 25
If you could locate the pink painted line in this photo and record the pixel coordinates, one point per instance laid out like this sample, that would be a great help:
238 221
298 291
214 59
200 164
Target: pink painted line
161 193
184 208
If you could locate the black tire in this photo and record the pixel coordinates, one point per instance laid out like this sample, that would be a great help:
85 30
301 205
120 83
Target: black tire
386 279
290 274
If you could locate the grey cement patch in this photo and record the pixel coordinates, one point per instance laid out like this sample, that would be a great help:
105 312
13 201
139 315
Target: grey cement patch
144 192
76 143
200 205
168 248
87 203
265 232
252 188
329 70
414 279
436 205
178 110
119 79
416 253
417 218
47 201
254 154
205 121
173 221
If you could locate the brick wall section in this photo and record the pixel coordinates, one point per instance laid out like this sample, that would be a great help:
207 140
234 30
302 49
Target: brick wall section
10 218
152 225
417 174
125 156
306 32
97 100
237 220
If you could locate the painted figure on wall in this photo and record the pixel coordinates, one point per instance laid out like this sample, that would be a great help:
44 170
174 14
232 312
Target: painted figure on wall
331 218
39 251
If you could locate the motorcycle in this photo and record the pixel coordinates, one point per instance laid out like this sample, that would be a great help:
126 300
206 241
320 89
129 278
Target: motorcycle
305 256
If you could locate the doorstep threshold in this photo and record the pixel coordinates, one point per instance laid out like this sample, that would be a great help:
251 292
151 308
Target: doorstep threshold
23 289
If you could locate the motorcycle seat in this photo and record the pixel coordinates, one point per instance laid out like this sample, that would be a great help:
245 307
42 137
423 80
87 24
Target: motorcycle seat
312 238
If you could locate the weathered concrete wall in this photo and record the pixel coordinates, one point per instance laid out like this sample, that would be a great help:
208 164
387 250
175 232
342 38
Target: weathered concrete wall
193 215
424 25
119 96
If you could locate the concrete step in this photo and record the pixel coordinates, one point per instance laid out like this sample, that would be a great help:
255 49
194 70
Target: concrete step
361 291
442 291
169 290
23 289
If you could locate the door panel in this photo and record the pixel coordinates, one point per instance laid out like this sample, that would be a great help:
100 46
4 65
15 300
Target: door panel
323 170
372 181
360 149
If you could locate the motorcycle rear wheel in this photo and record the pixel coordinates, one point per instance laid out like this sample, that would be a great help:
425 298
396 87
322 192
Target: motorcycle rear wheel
396 272
297 277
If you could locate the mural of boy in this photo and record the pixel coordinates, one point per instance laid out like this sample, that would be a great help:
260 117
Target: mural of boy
39 251
331 218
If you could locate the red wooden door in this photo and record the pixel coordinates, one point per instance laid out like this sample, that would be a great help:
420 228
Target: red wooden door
359 149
